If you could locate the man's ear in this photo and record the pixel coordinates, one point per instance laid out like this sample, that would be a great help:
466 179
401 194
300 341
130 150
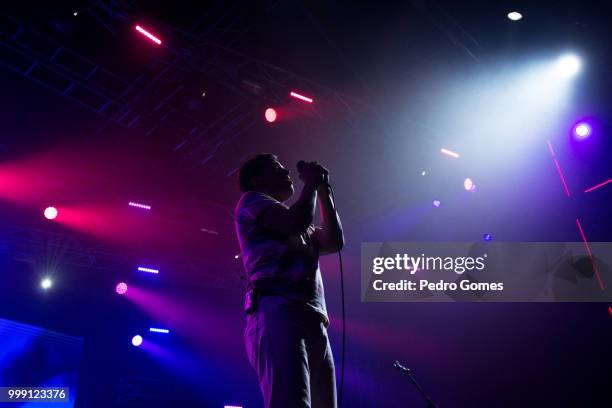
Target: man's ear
257 181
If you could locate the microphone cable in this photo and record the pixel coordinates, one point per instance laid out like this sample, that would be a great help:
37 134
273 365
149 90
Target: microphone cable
338 237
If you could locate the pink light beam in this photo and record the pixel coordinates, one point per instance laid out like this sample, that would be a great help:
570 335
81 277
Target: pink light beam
148 35
301 97
588 190
586 244
559 171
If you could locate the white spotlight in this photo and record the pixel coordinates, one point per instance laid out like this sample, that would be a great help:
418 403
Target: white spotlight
137 340
468 184
515 16
46 283
568 65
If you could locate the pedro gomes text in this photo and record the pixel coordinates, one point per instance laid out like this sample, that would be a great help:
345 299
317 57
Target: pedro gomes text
404 262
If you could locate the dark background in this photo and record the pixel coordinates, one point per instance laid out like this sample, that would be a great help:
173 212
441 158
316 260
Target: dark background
110 118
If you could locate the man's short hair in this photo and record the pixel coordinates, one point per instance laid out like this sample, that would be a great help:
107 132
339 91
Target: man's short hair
251 168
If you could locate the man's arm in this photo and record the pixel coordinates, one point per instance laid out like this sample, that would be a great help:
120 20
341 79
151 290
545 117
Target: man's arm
294 220
330 237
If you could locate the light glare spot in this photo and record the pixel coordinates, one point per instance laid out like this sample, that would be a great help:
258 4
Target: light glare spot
515 16
46 283
568 65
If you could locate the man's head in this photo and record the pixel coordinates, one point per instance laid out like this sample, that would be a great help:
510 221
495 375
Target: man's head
264 173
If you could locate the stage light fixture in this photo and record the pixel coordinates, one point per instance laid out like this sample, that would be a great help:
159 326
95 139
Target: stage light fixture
148 270
156 330
139 205
300 97
137 340
449 153
148 34
468 184
423 173
515 16
271 115
232 406
582 131
121 288
487 237
46 283
568 65
436 203
50 213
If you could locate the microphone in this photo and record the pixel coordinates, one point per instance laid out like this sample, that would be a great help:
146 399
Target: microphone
301 165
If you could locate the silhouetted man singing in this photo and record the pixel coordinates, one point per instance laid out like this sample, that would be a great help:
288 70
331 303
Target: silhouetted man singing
286 332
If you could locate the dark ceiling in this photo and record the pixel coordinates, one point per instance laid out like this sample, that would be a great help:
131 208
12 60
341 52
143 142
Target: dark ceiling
173 123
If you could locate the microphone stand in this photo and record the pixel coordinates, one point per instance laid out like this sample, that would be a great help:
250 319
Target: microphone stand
408 372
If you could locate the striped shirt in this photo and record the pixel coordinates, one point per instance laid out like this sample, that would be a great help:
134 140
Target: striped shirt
275 263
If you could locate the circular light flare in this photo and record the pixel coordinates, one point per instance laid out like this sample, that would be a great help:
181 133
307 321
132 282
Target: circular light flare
568 65
515 16
468 184
137 340
436 203
582 131
271 115
50 213
46 283
121 288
